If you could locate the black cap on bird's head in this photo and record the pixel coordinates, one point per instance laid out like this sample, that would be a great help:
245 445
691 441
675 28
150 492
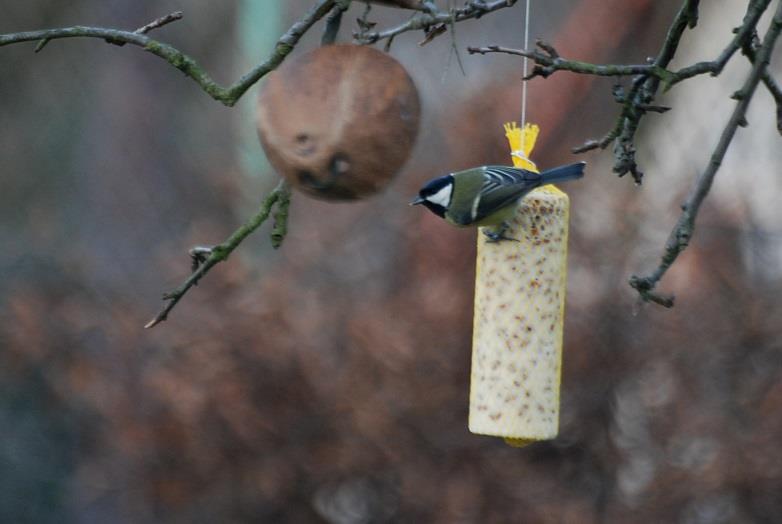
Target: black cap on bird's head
436 195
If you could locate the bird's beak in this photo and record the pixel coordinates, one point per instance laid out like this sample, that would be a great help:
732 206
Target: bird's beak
417 200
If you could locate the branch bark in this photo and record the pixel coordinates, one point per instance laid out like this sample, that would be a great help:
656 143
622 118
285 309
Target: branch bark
743 34
637 101
647 78
205 258
549 62
683 231
278 201
434 21
333 22
160 22
750 51
227 95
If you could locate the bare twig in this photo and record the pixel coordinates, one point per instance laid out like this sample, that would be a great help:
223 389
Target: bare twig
750 50
227 95
160 22
430 34
646 81
634 104
647 78
278 201
776 92
644 89
628 108
682 232
549 62
204 258
363 21
433 18
280 226
41 44
333 22
743 34
633 108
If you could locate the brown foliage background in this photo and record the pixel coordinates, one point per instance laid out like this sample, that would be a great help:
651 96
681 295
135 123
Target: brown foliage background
328 382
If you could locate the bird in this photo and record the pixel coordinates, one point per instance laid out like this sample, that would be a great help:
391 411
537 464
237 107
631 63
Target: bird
487 195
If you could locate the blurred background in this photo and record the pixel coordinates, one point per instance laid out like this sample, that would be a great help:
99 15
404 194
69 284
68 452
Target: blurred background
328 381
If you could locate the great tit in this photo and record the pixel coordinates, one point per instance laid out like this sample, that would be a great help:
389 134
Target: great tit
488 195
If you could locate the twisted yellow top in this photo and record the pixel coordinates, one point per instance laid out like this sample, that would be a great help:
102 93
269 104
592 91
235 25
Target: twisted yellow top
521 141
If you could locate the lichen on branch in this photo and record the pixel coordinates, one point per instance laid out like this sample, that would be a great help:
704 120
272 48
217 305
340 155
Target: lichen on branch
205 258
227 95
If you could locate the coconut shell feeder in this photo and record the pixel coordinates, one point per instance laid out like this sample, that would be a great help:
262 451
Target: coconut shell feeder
338 122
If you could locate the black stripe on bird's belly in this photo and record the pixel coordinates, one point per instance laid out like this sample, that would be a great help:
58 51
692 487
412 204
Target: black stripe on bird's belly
460 219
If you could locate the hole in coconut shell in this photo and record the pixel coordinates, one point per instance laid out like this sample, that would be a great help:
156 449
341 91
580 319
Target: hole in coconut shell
308 179
305 145
339 165
337 168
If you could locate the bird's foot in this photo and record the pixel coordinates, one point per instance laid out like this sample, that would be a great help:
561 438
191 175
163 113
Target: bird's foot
498 234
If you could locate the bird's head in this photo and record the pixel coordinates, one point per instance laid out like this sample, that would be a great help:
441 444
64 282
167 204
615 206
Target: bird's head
436 195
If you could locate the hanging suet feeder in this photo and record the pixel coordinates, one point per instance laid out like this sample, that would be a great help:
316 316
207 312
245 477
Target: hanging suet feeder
519 314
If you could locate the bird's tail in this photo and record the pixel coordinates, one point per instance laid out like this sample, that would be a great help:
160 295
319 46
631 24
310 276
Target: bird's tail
563 173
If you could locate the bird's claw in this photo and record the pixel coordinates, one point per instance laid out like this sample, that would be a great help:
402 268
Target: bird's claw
497 235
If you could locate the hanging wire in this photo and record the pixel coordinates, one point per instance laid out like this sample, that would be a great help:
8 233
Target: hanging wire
524 66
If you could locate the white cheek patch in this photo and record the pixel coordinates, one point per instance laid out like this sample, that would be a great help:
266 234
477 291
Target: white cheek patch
442 197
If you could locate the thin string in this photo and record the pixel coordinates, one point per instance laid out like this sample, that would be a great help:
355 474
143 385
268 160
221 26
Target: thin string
524 62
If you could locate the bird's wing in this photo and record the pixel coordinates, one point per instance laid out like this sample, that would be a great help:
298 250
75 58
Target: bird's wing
503 186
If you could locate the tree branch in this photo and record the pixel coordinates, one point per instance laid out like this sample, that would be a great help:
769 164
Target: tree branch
645 84
549 62
647 78
227 95
204 258
682 232
743 34
646 81
333 22
430 18
160 22
776 92
630 119
749 49
434 21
